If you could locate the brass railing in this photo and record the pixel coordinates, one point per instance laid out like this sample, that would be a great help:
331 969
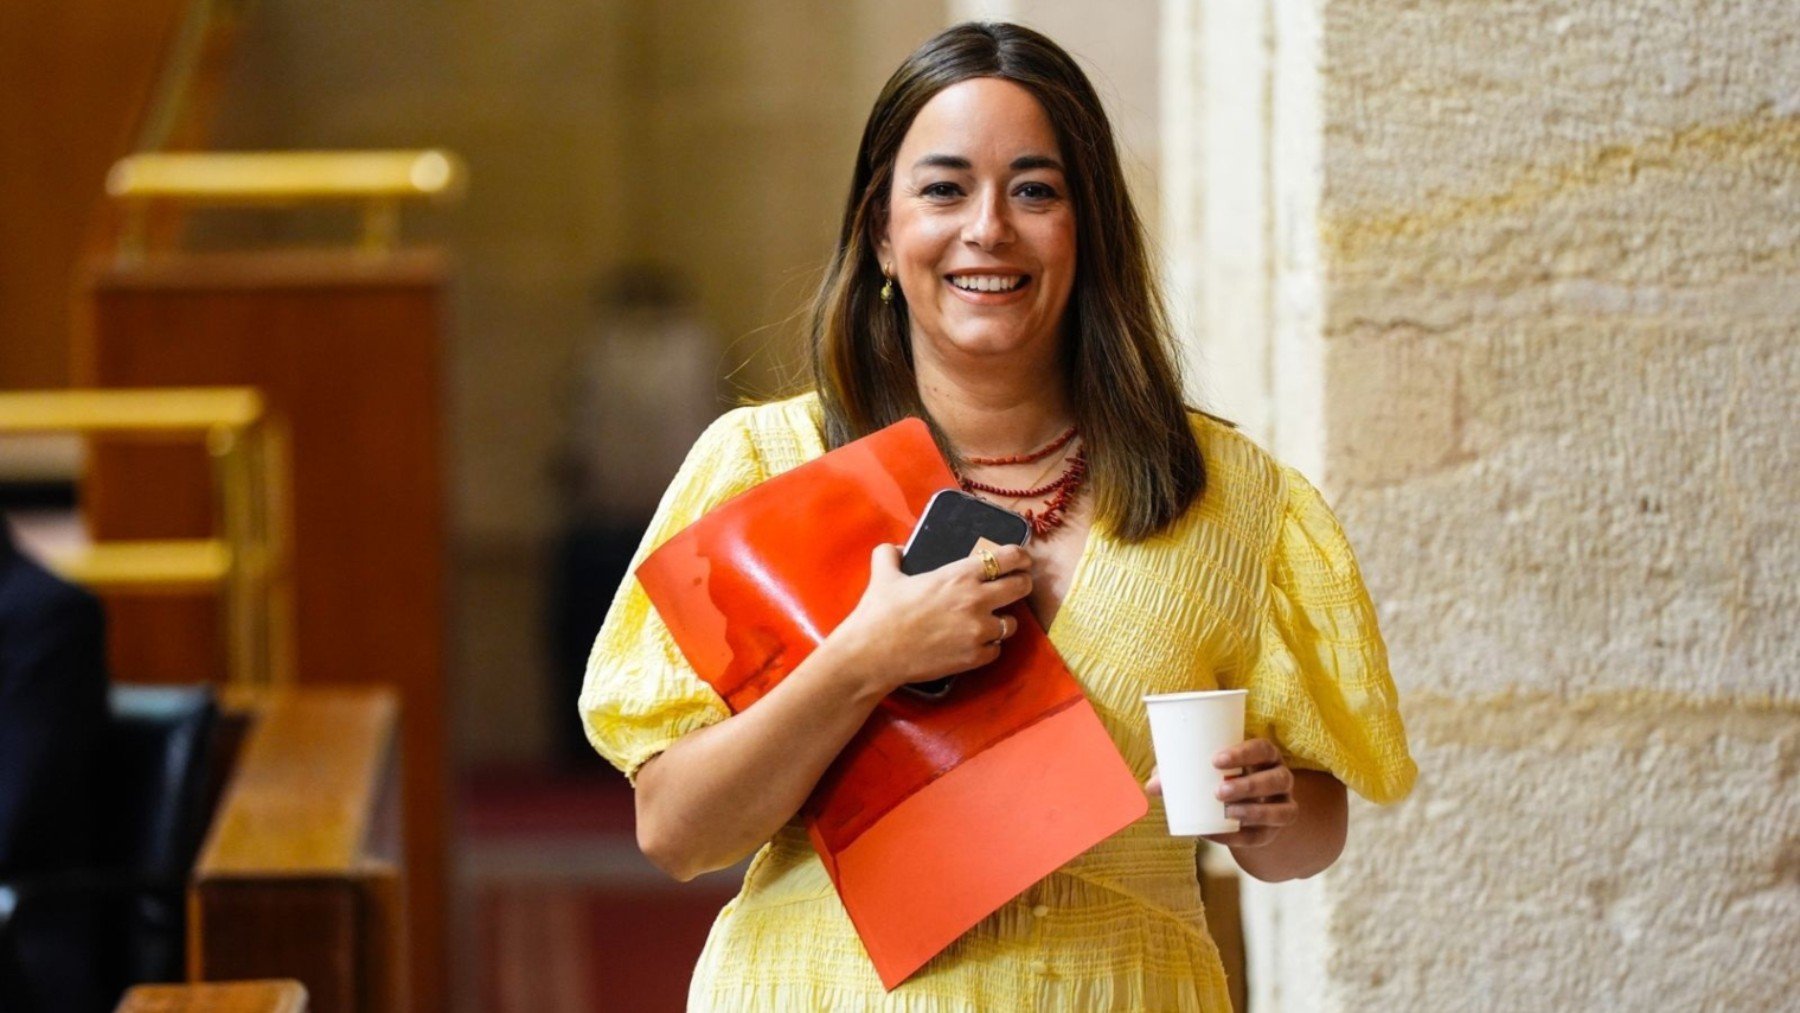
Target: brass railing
246 560
377 180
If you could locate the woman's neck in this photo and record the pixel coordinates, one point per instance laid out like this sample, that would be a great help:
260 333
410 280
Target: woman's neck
996 411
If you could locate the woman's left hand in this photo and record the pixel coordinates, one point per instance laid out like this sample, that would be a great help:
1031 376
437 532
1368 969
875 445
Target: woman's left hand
1259 795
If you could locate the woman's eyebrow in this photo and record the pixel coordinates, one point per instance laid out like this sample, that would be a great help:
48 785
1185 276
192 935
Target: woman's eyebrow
1021 164
943 162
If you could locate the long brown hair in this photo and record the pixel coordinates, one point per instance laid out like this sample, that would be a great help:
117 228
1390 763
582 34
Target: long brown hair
1119 356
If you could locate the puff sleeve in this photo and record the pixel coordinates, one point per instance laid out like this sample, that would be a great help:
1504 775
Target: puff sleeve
640 694
1319 686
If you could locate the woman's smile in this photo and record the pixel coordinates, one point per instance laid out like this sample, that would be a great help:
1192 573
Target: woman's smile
987 288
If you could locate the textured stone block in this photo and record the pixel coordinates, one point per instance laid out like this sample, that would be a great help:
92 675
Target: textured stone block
1625 851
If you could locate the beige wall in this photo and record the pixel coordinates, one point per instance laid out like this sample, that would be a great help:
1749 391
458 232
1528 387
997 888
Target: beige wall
1526 312
711 136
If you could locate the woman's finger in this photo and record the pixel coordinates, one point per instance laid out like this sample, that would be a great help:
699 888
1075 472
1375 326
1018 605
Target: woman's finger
1008 559
1154 785
997 594
1262 814
1252 753
1012 558
1254 837
884 562
1271 782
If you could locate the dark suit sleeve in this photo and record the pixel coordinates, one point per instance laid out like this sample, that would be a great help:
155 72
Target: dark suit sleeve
52 713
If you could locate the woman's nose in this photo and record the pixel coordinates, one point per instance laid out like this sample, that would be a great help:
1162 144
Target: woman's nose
988 227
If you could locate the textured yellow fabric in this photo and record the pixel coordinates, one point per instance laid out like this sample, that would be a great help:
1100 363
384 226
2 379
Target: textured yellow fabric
1255 587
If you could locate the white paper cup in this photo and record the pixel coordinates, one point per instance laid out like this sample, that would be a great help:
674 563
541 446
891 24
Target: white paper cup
1187 731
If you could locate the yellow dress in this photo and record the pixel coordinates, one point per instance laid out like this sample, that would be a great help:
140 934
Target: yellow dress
1255 587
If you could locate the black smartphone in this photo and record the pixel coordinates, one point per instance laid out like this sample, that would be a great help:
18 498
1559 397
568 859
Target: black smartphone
952 523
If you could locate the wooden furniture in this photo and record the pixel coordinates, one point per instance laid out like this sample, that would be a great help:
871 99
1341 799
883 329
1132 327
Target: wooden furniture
244 562
223 997
346 349
301 873
343 342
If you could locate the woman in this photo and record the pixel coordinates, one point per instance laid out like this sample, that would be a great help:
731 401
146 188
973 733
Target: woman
991 277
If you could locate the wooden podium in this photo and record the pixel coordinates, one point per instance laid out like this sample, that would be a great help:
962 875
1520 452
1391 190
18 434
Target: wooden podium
344 345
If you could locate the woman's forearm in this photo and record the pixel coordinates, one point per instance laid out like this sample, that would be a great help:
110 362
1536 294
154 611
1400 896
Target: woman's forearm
1312 842
718 793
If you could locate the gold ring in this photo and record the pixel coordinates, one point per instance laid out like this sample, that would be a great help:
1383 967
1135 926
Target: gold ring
990 567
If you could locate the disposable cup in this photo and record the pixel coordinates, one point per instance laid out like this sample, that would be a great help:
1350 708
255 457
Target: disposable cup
1187 730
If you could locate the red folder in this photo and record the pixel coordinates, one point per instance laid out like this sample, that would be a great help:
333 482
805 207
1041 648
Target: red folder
939 811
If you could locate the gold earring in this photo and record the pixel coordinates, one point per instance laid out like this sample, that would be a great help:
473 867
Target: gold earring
887 286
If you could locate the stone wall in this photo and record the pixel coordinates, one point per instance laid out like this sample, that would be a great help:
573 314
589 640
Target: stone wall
1523 306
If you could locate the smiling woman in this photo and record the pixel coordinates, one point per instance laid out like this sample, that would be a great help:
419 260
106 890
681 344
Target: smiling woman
991 279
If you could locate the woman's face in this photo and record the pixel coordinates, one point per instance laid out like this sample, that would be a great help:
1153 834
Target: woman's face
981 232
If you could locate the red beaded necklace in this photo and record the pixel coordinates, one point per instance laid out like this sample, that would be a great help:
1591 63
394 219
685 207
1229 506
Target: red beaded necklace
1037 455
1061 489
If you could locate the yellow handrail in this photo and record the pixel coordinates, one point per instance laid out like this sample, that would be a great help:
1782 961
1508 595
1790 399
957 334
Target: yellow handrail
378 180
286 177
248 562
197 565
161 410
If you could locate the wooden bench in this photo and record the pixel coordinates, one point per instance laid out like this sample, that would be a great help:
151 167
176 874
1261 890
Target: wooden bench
301 874
224 997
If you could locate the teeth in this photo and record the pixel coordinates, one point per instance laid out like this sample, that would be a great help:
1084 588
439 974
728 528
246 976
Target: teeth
988 282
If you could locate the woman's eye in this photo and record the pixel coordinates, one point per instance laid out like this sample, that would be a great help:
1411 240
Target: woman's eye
1037 191
940 190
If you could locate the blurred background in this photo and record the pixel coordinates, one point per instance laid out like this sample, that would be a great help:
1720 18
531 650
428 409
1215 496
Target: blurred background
1514 284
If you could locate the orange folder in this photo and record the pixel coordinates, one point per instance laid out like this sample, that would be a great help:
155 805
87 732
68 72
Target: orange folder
939 811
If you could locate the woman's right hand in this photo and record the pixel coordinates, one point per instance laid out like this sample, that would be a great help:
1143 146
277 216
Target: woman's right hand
721 791
926 626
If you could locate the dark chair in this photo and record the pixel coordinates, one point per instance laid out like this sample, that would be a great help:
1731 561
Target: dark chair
122 921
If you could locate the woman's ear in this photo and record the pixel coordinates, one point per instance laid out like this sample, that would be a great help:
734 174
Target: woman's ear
878 237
